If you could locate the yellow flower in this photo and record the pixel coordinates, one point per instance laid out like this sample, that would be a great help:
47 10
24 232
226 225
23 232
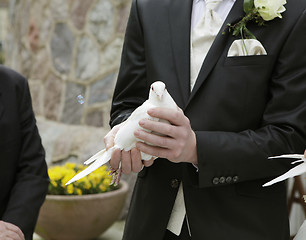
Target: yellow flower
54 183
97 181
81 167
79 191
54 174
70 165
107 181
67 175
87 184
102 188
70 189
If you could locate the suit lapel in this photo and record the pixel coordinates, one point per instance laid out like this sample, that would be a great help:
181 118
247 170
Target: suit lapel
180 21
218 46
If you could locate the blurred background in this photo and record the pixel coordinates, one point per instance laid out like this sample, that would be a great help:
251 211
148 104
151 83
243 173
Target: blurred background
69 50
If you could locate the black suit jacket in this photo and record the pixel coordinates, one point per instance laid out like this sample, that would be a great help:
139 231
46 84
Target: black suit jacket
23 172
242 109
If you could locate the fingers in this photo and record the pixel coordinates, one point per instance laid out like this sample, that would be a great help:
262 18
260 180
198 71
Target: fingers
130 161
126 162
148 163
10 231
154 150
115 159
18 233
162 128
176 141
137 164
175 117
156 140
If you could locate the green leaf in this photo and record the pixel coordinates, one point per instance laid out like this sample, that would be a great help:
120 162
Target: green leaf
248 33
248 5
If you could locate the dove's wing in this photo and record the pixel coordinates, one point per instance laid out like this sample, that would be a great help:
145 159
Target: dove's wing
125 138
100 160
291 173
169 101
297 161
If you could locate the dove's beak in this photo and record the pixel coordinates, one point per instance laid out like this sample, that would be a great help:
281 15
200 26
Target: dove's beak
160 97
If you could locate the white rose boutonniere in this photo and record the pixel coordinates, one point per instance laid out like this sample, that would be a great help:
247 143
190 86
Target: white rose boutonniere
269 10
258 11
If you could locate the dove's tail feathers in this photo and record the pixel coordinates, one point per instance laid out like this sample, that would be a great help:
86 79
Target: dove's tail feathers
100 160
94 157
297 156
298 161
291 173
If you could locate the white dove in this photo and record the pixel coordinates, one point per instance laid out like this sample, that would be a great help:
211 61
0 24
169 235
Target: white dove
298 170
125 139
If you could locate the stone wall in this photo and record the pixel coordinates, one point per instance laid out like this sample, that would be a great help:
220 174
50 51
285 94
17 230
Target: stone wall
68 48
70 52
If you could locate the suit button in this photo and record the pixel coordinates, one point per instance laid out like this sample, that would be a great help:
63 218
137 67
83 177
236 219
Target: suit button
235 179
174 183
229 179
215 181
222 180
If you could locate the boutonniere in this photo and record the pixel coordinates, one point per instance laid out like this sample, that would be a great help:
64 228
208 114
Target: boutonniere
258 11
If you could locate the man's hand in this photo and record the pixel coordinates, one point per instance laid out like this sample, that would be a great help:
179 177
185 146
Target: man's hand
130 160
9 231
178 140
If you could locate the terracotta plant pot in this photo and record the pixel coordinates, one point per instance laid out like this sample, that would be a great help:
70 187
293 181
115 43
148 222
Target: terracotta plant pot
80 217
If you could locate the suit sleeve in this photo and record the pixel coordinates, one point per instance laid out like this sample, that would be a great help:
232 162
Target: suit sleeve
131 87
31 182
283 127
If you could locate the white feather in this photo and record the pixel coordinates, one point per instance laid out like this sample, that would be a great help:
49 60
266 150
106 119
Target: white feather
297 156
298 170
291 173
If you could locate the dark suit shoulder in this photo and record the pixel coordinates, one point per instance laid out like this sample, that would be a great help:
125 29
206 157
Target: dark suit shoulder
11 79
151 5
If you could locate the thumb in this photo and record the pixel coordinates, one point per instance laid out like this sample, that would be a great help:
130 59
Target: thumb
148 163
110 137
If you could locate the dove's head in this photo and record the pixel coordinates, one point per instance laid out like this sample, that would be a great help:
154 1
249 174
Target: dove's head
157 90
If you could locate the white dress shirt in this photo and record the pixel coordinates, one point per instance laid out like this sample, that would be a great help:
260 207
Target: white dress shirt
199 6
179 211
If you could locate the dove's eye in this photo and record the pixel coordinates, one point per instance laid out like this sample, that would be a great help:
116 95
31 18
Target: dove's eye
152 88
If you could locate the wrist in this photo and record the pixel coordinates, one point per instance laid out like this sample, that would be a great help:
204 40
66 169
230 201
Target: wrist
194 153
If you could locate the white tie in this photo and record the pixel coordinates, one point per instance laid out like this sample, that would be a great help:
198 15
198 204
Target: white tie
202 37
178 213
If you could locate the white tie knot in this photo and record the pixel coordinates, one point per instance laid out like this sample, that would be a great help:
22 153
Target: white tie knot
212 4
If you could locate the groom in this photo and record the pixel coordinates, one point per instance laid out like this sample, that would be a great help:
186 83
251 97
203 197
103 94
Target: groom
234 113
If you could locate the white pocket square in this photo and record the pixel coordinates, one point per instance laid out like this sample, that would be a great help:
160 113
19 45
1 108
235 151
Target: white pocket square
246 47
